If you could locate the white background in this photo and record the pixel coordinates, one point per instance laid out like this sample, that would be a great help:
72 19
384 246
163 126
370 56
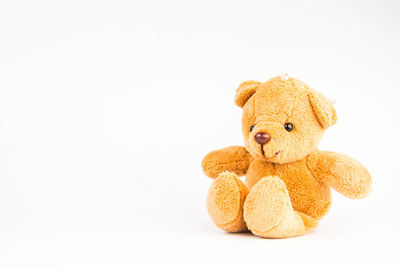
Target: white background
107 108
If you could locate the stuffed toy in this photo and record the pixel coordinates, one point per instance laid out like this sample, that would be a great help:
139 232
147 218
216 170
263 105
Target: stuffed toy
288 180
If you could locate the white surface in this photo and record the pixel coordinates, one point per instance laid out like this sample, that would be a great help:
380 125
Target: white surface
107 108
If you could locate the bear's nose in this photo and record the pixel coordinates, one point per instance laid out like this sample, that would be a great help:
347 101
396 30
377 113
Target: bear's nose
262 138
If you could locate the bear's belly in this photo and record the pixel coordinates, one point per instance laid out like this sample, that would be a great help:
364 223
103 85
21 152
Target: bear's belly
307 195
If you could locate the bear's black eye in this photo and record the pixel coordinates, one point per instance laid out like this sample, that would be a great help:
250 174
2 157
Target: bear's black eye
288 126
251 128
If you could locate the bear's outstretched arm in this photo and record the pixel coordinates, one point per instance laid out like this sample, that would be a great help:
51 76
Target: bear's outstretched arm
343 173
233 158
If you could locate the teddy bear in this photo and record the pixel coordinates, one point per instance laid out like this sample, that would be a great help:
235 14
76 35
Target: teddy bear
288 179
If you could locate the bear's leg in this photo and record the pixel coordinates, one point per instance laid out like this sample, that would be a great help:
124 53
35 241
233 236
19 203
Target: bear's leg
225 202
268 211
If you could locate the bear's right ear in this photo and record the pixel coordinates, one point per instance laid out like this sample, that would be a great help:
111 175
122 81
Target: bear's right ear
245 91
323 108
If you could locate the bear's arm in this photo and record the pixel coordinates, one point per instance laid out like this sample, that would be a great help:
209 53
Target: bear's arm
233 158
343 173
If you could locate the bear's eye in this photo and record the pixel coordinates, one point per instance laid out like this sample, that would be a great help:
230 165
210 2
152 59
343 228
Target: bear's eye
251 128
289 127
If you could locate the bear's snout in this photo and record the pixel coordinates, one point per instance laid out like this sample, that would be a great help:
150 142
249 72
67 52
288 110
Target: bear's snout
262 138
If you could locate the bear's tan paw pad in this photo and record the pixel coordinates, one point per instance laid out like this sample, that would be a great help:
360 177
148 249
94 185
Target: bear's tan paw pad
225 200
267 204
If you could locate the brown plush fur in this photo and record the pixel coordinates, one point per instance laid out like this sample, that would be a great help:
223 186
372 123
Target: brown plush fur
288 179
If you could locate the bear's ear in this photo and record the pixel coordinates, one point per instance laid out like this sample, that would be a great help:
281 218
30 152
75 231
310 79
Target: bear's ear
245 91
323 109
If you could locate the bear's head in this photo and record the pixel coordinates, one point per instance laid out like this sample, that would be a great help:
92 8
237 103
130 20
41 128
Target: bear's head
283 119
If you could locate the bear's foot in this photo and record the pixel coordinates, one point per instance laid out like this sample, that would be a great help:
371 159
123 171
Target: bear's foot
225 202
268 211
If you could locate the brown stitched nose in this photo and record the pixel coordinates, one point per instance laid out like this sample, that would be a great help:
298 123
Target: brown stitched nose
262 138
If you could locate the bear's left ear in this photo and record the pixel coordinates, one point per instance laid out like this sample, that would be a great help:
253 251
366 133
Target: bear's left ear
323 108
245 91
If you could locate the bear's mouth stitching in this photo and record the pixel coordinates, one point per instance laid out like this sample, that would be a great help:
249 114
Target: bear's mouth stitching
278 154
275 154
